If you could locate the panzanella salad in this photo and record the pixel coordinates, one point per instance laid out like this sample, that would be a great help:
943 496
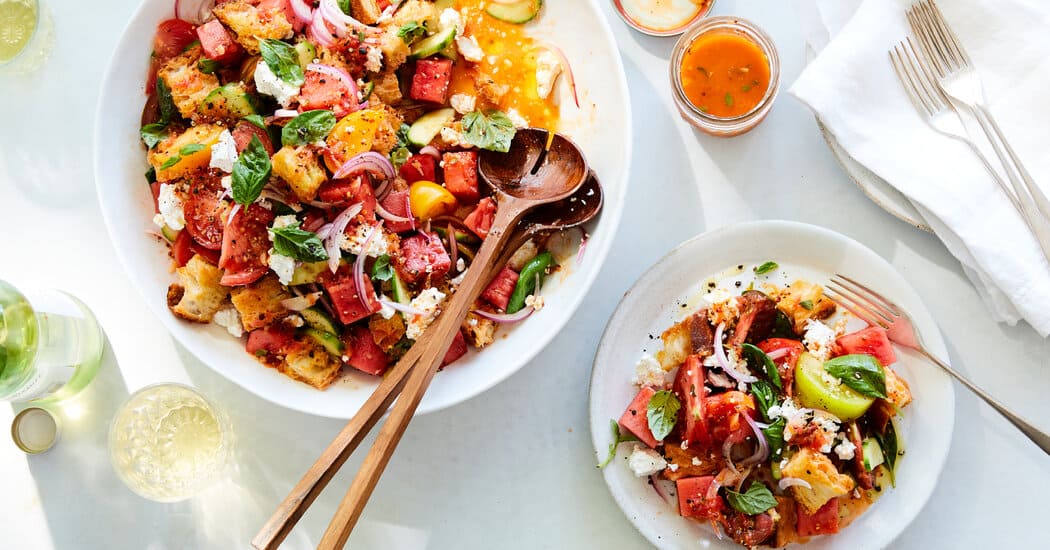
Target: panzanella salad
315 169
773 423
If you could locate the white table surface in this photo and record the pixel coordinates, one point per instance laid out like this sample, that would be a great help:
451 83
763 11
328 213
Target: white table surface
513 468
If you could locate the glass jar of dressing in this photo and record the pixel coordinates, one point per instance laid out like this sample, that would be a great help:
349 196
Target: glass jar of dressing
725 74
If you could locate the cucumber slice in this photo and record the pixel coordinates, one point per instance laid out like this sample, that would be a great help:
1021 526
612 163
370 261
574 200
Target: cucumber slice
306 53
319 320
399 290
872 454
434 43
169 233
229 101
329 341
366 91
308 272
519 12
426 127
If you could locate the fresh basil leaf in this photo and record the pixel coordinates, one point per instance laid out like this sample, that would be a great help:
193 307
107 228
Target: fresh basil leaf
775 437
755 355
172 161
282 59
251 171
256 120
153 134
617 438
493 130
344 5
402 135
296 243
766 268
168 111
151 175
412 31
309 127
764 397
662 413
208 66
756 500
861 372
190 149
381 269
806 305
399 156
888 441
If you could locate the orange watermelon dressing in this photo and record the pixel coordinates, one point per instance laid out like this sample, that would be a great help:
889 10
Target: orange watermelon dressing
724 74
510 60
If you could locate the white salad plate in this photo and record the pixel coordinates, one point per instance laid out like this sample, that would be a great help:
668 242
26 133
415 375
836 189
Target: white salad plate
577 27
805 252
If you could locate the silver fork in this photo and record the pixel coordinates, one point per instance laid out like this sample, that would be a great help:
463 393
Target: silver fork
957 77
875 309
931 102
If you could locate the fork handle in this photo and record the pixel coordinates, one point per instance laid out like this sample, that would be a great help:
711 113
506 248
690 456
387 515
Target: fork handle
1039 437
990 126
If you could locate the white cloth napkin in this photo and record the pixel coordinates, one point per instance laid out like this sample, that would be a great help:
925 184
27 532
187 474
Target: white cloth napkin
852 89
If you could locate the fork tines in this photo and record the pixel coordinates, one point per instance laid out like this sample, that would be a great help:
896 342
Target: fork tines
861 301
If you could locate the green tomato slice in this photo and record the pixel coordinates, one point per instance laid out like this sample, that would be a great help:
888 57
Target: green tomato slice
817 389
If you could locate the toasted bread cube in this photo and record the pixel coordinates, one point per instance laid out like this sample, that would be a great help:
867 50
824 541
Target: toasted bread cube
478 330
386 131
309 362
425 13
365 11
197 295
300 167
395 51
251 24
387 88
825 481
803 301
188 85
677 346
259 303
181 154
897 388
386 333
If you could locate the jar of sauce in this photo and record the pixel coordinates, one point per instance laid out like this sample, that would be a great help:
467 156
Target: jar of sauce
662 17
725 74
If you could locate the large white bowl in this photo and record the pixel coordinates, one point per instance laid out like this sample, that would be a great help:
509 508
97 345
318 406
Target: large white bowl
803 252
578 27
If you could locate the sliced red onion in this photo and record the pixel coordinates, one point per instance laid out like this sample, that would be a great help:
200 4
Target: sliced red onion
336 73
506 318
318 32
359 266
383 190
712 489
727 452
370 161
233 212
786 482
403 308
720 356
299 303
778 353
762 451
583 246
431 150
387 215
194 11
453 249
331 245
285 113
324 231
303 12
655 483
568 69
408 210
331 11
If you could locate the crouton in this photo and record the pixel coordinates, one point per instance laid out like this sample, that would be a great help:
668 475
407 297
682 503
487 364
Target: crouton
387 332
301 169
386 131
897 389
309 362
691 462
188 85
692 335
387 88
803 301
825 481
395 51
197 295
251 24
181 154
478 330
365 11
786 533
424 13
259 303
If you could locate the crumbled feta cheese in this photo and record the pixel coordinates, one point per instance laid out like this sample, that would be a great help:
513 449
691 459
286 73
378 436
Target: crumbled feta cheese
296 321
518 120
454 138
458 279
427 302
227 183
718 295
170 206
387 15
382 242
536 302
673 467
696 462
266 82
386 311
648 372
460 265
284 221
548 67
282 265
469 48
819 339
224 152
845 450
463 103
229 319
645 462
451 18
373 60
158 220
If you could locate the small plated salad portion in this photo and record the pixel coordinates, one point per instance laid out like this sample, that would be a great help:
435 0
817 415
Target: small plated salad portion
764 415
314 165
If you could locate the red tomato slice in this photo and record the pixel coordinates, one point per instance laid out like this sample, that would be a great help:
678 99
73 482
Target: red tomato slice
689 385
242 136
480 220
205 213
785 365
245 244
502 286
461 175
824 521
275 339
871 341
419 168
724 416
173 35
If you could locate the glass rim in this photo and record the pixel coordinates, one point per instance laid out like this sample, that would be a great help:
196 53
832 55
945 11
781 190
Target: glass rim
32 34
638 26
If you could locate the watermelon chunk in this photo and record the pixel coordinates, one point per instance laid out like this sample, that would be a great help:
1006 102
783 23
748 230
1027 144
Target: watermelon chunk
348 305
824 521
430 83
419 168
457 349
871 341
397 204
218 44
502 286
636 418
365 355
461 175
693 501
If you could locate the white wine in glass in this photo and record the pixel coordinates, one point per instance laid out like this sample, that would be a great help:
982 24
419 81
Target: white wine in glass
26 35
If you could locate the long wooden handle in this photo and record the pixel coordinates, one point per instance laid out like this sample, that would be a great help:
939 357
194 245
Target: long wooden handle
324 468
444 331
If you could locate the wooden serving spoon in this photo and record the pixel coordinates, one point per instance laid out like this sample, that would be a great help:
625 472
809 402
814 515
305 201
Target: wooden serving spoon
540 168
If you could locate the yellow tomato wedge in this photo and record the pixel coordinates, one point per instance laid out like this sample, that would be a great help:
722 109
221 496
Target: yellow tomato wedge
429 200
353 134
